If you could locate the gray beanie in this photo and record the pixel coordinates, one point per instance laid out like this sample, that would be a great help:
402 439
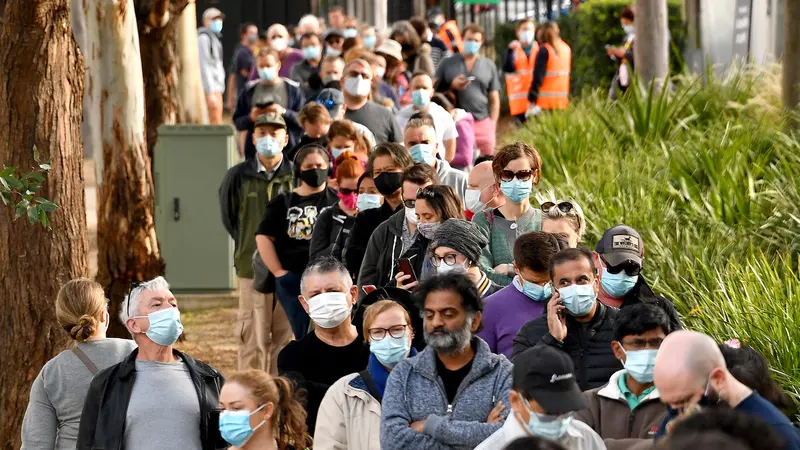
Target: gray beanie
462 236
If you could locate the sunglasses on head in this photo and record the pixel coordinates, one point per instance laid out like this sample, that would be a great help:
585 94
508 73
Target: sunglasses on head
522 175
564 207
427 193
134 286
630 267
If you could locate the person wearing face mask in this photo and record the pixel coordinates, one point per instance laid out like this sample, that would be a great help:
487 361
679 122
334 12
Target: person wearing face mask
465 142
517 168
444 125
416 52
262 328
455 392
473 81
575 321
690 372
343 137
455 247
620 256
382 91
420 140
550 86
59 391
336 221
284 236
369 36
269 94
334 39
482 193
328 78
526 297
278 37
623 54
543 395
369 199
446 30
158 397
350 414
212 69
626 410
260 411
518 67
311 47
357 84
333 348
242 63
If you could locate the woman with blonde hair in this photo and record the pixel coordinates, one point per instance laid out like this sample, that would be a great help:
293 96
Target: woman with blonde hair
350 413
564 218
58 392
262 412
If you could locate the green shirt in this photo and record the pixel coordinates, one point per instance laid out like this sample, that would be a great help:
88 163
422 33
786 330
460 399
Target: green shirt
630 397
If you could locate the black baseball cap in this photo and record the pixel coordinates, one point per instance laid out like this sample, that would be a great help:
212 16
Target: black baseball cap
332 100
547 375
619 244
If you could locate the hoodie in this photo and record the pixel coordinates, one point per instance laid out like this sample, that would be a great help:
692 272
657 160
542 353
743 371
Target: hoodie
384 248
212 70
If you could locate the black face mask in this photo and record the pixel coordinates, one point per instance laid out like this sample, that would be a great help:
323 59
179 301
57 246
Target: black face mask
314 177
389 182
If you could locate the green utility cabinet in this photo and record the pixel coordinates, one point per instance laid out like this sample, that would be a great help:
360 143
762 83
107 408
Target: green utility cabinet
189 164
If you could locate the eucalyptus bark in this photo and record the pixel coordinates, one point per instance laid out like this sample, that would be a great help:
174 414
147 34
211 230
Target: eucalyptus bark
192 96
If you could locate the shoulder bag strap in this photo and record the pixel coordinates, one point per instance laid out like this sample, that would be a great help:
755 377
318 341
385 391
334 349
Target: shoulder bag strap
85 360
371 386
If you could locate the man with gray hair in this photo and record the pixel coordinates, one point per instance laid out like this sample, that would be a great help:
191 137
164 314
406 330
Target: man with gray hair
157 397
307 24
690 372
334 348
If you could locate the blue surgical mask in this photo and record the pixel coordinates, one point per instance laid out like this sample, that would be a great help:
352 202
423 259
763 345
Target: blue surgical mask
332 51
516 190
350 33
578 298
472 47
629 29
337 152
216 26
423 153
420 98
640 363
267 73
369 41
390 350
368 201
533 291
617 284
234 426
165 326
311 53
546 426
268 146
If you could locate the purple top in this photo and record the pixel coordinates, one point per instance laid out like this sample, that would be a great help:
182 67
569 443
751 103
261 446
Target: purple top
287 62
504 313
465 142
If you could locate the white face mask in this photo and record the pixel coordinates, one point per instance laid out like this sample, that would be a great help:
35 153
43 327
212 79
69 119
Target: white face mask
357 86
411 215
278 44
329 309
472 200
380 71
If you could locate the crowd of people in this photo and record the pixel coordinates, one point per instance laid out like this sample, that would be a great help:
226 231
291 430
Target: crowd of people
400 285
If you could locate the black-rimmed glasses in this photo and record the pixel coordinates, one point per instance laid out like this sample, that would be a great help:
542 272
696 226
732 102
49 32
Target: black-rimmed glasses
378 334
564 207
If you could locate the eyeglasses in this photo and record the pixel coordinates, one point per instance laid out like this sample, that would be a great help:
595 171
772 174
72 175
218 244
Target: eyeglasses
397 331
631 268
640 344
346 191
135 285
564 207
522 175
410 204
449 260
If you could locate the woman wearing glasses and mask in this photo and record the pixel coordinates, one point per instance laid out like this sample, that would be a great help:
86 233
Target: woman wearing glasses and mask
350 413
517 168
456 247
565 219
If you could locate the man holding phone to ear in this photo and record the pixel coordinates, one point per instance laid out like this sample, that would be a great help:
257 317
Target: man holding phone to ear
576 322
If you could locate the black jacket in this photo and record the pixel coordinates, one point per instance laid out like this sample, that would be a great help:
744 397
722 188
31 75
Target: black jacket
642 293
330 231
383 251
589 345
366 222
106 406
416 256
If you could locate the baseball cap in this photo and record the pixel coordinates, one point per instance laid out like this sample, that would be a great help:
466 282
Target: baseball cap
619 244
270 119
391 48
332 100
332 32
547 375
212 13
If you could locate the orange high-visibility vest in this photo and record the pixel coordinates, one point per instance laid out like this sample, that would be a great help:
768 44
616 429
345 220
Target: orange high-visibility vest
456 44
519 83
554 92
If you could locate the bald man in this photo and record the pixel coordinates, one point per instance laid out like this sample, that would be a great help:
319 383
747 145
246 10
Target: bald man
357 85
690 370
482 191
278 40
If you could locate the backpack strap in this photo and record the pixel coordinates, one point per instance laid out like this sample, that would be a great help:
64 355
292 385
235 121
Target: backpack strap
371 386
85 360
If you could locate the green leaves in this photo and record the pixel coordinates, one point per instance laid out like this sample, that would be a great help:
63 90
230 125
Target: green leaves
19 192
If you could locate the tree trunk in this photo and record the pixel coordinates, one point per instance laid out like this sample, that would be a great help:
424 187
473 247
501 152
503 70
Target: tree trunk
193 98
651 48
41 100
791 56
126 235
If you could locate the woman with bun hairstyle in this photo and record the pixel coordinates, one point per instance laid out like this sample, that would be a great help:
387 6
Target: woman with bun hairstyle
262 412
58 392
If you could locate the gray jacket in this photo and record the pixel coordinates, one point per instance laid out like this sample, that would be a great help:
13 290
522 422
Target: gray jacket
415 392
212 70
456 179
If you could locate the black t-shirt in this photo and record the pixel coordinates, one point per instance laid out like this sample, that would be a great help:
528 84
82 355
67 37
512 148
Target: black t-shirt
315 366
292 223
452 378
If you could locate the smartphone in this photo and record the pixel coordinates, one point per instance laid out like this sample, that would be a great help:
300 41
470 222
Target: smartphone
470 78
404 264
264 105
369 289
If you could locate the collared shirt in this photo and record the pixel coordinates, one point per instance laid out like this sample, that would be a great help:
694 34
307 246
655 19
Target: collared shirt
630 397
579 436
271 173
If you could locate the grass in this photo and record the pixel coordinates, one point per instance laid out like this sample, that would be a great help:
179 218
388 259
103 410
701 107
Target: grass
709 177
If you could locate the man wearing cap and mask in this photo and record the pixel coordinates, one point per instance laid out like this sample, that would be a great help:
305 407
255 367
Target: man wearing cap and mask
620 257
334 348
212 70
575 321
357 84
543 394
456 247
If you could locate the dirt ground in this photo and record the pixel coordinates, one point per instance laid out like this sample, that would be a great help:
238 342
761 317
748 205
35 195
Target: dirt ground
209 337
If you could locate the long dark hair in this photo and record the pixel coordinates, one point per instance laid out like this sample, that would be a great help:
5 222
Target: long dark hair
443 200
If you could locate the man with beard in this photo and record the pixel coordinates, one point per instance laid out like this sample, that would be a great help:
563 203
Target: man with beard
453 394
690 371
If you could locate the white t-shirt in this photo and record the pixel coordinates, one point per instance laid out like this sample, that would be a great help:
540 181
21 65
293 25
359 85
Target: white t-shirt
579 436
442 121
